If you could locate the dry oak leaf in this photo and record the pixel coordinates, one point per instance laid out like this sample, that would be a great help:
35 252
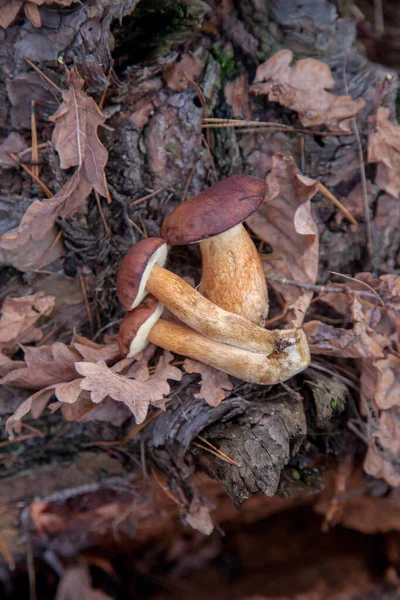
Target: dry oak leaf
383 456
19 318
137 395
45 365
384 149
284 221
357 342
75 134
302 88
213 382
33 243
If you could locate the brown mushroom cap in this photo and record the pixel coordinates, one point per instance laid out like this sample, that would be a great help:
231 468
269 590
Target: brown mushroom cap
215 210
135 268
136 325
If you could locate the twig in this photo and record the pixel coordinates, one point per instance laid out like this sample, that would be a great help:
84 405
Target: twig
189 181
35 151
361 283
140 200
86 300
165 488
137 228
46 79
44 187
203 103
28 150
370 244
103 95
320 288
106 227
30 563
325 192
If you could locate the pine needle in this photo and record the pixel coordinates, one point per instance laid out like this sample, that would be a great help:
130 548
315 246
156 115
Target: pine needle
325 192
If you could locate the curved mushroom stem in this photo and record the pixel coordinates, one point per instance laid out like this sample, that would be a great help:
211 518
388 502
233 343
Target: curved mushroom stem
248 366
233 276
202 315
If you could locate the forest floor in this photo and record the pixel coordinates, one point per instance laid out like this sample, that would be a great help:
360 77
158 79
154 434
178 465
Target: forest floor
158 476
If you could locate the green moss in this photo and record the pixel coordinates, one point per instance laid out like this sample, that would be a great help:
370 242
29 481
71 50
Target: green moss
337 404
171 147
226 60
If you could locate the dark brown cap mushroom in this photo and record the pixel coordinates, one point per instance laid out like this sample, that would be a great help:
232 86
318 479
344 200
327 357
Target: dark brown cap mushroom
144 324
135 268
141 274
215 210
232 275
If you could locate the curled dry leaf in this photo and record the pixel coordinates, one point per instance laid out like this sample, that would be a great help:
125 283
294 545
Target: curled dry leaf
34 243
285 222
303 89
384 149
137 395
19 319
348 343
213 382
175 73
383 456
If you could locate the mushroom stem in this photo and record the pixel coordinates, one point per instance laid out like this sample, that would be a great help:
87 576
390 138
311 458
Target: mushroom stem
202 315
248 366
233 276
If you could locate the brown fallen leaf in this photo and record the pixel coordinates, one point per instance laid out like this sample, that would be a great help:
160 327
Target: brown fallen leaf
384 149
285 222
175 73
33 243
303 89
380 382
19 319
137 395
92 352
45 365
213 382
357 342
13 143
75 134
383 456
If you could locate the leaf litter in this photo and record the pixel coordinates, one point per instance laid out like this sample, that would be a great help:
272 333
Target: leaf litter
83 376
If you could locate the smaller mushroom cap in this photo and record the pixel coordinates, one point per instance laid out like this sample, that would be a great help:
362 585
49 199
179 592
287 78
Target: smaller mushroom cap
135 269
136 326
215 210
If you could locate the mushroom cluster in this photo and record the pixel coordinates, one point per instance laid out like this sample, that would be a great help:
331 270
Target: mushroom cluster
222 323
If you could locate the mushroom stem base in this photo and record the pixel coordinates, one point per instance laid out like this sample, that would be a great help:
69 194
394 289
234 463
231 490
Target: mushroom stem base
248 366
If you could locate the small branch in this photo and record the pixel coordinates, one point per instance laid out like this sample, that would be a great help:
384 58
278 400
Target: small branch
321 289
35 151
